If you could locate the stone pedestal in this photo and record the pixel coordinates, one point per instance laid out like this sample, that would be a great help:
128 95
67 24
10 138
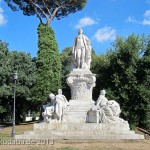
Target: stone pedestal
77 112
81 83
93 116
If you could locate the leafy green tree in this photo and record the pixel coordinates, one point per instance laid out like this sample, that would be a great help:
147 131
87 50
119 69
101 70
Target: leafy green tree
23 64
47 9
100 66
5 90
143 76
66 64
25 67
48 72
124 68
125 84
124 72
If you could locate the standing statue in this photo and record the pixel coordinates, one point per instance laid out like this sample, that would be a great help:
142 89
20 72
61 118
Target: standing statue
61 105
81 51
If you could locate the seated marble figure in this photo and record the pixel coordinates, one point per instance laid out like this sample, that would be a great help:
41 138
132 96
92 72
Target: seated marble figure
56 108
49 109
109 110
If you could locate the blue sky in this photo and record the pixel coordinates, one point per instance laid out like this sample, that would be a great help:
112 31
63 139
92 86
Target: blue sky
101 21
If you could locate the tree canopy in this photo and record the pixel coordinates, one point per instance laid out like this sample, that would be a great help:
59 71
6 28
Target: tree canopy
124 73
11 61
48 65
47 8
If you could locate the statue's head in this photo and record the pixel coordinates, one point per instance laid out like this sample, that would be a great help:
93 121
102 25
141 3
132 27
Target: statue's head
103 92
60 91
51 96
80 31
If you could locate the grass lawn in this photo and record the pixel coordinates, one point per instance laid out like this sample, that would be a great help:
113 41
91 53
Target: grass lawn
5 134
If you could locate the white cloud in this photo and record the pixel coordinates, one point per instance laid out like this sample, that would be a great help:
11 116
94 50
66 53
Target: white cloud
148 1
105 34
1 10
147 14
146 20
2 18
86 21
131 19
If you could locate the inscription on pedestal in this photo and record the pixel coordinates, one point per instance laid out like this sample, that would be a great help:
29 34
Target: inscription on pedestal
79 91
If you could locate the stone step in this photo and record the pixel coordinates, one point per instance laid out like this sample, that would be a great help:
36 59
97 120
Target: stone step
81 126
82 137
77 113
80 106
70 132
81 131
81 103
72 109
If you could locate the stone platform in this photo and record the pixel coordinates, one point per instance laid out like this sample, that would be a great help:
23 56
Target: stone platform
77 112
81 132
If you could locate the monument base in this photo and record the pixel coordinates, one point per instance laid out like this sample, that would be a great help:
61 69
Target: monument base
81 82
81 132
77 112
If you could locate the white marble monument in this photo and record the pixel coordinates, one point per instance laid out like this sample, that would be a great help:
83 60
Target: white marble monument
81 118
81 51
56 109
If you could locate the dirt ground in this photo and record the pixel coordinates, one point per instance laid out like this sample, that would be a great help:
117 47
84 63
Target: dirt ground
125 145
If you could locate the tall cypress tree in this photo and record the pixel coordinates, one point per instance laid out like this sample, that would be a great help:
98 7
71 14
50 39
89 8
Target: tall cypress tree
48 71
